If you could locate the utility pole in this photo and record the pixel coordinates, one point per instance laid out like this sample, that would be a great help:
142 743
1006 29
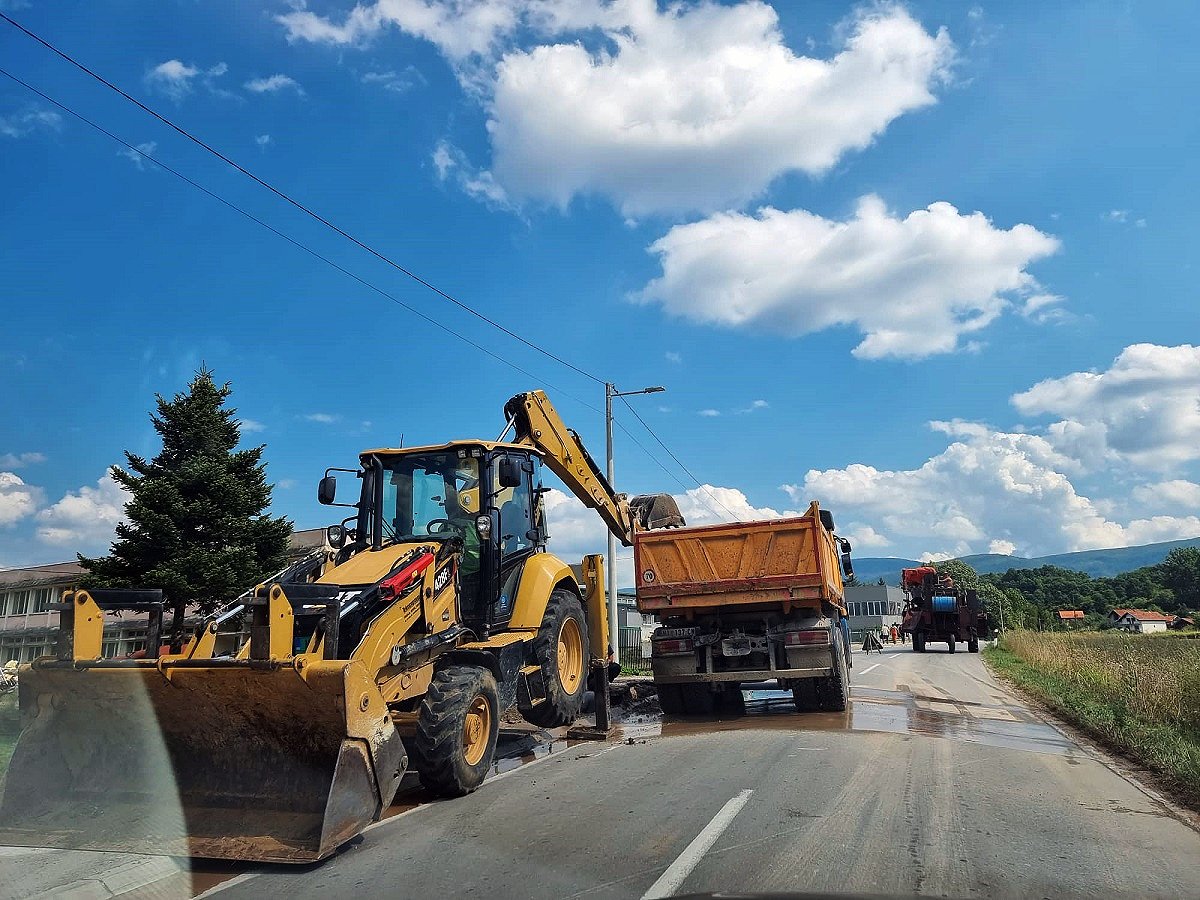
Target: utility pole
610 391
614 636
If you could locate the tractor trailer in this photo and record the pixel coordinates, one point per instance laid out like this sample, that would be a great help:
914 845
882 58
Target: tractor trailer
939 609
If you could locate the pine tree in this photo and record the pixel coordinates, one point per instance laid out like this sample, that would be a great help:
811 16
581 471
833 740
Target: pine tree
196 524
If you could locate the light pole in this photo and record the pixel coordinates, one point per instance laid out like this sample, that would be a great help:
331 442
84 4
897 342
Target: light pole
610 391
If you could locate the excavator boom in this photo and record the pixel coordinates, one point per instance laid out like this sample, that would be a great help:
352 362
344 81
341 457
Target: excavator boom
539 426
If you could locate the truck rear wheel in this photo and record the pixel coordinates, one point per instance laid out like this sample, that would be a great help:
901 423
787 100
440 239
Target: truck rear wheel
834 691
951 642
805 694
457 727
973 645
698 700
918 642
560 648
670 698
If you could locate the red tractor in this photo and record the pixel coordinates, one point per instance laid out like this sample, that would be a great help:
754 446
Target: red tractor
940 610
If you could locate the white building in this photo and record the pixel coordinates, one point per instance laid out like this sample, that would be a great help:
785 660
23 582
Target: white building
1140 621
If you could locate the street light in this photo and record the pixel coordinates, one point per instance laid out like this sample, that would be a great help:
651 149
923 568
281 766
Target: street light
610 391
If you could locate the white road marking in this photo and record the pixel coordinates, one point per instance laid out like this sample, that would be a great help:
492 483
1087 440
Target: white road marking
224 885
672 879
870 669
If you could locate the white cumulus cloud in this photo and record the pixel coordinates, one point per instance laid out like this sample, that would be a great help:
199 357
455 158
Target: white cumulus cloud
85 519
17 499
273 84
1176 495
913 285
1144 409
683 106
176 79
699 107
20 460
988 490
138 155
26 122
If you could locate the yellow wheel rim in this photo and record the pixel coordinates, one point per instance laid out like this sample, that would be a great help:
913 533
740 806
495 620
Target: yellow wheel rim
570 656
476 728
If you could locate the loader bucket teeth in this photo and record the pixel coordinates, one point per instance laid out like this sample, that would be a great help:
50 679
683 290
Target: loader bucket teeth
223 760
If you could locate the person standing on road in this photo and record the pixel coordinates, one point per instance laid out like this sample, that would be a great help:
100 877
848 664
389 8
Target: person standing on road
895 634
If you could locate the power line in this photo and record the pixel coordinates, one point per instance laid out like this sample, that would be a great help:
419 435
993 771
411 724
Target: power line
678 461
362 281
345 234
658 462
296 203
295 243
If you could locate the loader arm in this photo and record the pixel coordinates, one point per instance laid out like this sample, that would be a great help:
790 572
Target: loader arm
539 426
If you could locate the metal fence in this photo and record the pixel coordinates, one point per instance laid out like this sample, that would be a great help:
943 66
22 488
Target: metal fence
629 651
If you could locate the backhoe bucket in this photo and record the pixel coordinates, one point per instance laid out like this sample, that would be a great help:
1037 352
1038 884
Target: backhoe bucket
230 759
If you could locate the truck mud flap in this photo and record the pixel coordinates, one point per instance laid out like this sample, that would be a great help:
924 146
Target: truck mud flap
224 760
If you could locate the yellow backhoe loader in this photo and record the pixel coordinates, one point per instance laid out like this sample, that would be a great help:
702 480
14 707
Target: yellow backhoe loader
437 609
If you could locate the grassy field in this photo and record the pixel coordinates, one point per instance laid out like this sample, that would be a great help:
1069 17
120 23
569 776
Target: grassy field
1138 694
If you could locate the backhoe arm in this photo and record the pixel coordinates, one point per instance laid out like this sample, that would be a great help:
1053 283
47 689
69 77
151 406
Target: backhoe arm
539 426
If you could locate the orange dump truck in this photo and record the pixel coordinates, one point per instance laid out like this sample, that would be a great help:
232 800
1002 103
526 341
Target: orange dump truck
747 602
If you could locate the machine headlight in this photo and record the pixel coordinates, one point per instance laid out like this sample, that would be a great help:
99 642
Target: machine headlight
483 525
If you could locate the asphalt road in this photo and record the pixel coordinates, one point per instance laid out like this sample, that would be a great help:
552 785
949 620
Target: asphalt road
938 782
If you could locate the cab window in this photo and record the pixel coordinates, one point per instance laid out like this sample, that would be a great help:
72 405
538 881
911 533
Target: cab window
516 513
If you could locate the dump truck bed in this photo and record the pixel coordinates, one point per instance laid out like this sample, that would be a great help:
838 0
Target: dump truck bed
684 571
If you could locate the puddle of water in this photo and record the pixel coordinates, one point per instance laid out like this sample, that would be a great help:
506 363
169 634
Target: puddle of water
873 709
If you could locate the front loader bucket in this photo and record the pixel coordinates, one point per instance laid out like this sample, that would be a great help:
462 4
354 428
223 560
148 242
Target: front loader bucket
223 758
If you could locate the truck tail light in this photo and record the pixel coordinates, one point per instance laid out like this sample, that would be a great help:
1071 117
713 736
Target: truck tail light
683 645
806 637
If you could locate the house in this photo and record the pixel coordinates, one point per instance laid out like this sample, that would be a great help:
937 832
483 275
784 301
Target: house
1182 622
1141 621
1068 618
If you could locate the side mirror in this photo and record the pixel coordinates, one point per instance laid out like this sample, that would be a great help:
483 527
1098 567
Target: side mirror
847 565
827 519
335 536
509 472
327 490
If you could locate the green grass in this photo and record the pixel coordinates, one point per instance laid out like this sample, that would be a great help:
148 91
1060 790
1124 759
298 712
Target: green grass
1138 695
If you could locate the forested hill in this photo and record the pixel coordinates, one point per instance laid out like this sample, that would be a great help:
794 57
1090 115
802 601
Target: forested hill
1096 563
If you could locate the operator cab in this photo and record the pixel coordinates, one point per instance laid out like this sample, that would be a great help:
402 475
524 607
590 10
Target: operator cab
484 500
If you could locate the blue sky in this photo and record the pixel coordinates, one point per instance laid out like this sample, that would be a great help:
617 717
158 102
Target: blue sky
826 225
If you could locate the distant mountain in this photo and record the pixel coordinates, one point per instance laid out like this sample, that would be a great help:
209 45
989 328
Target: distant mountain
1097 563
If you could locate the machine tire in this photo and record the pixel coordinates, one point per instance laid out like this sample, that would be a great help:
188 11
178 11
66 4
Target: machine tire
670 698
561 707
731 701
973 645
918 642
805 694
834 691
451 754
951 642
698 700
